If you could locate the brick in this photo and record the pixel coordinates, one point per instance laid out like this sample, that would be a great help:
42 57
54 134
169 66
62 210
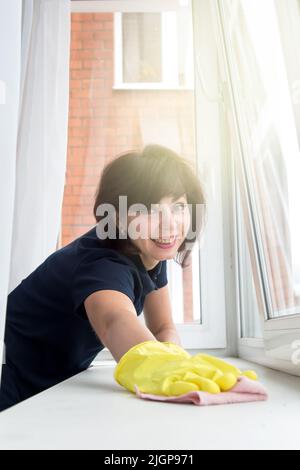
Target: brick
75 181
94 64
80 74
108 45
93 44
75 84
75 123
85 209
102 17
76 44
91 26
82 35
92 53
87 190
80 93
93 123
74 103
82 17
80 131
88 200
102 72
75 64
103 35
87 219
80 112
77 170
108 25
75 141
71 200
72 219
80 152
76 26
67 191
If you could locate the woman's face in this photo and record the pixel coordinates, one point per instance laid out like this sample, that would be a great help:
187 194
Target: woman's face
164 229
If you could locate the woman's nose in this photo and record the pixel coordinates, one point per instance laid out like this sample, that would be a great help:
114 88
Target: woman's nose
167 223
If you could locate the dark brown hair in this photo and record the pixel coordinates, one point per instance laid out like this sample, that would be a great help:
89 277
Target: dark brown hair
146 177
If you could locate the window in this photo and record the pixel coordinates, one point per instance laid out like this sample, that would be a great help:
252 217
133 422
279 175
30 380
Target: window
262 68
153 50
104 121
250 322
141 51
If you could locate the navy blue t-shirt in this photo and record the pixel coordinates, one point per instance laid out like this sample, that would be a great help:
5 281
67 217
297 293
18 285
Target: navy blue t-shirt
48 337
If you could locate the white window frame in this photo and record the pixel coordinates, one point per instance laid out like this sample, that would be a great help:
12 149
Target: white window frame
169 61
167 8
211 333
279 348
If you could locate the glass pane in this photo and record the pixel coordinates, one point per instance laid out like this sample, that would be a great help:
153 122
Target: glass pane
251 326
141 35
104 122
265 64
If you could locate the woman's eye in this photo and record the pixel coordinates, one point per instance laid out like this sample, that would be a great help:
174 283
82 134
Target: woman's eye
180 207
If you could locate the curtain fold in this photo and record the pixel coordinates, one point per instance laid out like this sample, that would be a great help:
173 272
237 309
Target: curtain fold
42 134
10 51
34 102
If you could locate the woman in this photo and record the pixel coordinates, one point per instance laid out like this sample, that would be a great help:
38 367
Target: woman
88 294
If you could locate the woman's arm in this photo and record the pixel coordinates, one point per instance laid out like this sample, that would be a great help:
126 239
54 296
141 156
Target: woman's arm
169 334
113 317
158 315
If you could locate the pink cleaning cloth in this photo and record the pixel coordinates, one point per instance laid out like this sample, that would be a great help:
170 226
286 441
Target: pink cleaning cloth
245 390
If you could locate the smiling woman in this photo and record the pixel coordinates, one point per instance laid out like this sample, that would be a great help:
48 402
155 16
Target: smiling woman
88 294
156 176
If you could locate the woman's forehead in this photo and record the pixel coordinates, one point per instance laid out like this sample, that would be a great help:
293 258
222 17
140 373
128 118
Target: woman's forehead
170 199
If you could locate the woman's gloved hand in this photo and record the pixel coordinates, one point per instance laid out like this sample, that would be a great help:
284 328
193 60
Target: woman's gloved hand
164 368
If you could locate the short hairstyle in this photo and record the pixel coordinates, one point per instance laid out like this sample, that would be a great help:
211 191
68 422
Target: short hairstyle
146 177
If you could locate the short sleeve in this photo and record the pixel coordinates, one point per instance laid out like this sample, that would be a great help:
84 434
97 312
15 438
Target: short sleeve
101 274
162 277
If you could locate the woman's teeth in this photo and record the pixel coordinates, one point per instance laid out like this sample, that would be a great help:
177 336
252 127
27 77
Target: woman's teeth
168 242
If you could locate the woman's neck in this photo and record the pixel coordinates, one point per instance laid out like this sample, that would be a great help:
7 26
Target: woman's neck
149 263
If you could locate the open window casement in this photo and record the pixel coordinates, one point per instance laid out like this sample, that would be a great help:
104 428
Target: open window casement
260 67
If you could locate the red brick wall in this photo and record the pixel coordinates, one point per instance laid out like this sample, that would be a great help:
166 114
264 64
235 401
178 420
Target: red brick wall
104 122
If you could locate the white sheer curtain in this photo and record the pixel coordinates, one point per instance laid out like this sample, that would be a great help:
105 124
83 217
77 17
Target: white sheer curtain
10 34
34 124
42 134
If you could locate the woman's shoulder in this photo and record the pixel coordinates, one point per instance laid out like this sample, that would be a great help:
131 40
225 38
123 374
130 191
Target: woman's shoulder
90 244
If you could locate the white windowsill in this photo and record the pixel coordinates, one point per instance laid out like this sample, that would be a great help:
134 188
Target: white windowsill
91 411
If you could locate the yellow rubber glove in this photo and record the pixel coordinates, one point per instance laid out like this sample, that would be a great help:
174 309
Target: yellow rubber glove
225 374
164 368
